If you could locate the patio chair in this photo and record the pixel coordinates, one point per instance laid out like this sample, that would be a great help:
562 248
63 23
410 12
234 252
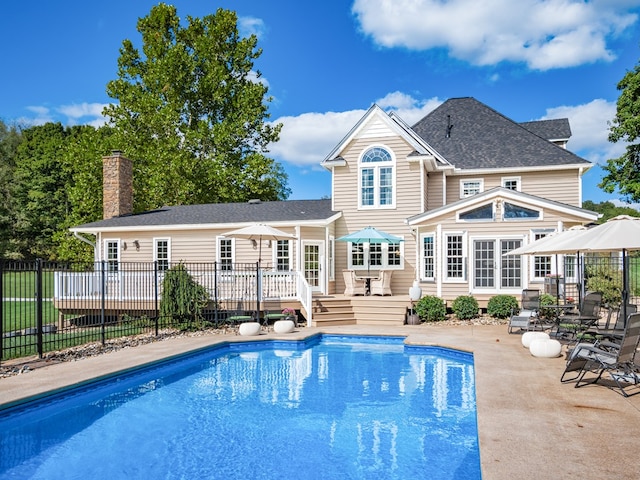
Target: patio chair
570 324
238 315
614 326
525 318
617 360
272 311
382 284
353 286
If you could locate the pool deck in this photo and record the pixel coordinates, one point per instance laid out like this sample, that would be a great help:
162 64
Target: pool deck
530 425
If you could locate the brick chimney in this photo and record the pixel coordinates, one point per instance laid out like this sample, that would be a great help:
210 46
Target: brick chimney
117 185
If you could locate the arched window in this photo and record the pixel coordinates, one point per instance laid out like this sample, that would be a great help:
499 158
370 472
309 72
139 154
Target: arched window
377 178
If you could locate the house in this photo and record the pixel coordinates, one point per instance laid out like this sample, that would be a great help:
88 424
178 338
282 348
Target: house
461 187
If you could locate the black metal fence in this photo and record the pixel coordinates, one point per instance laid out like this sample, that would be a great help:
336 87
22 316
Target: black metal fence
50 306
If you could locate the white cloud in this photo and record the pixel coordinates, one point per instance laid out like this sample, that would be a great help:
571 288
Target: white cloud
84 113
251 26
306 139
590 129
544 34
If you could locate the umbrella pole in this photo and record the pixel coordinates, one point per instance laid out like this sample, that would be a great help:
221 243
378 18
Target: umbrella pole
625 287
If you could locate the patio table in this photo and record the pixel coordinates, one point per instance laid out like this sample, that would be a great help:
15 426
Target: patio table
367 281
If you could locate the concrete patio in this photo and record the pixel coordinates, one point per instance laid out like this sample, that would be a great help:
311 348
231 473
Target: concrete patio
530 425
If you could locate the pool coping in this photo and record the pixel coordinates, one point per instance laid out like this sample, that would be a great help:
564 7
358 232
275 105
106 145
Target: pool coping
529 424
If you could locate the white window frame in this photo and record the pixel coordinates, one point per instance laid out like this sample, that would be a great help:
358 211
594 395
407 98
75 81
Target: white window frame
113 264
532 266
464 187
377 167
516 179
476 207
464 256
423 257
276 257
219 258
331 251
156 241
498 265
366 258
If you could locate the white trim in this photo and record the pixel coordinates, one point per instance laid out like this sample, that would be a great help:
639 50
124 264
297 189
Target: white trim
463 186
155 248
233 248
465 256
516 178
376 167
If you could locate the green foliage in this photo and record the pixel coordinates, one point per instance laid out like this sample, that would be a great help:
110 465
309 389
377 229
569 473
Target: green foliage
431 308
465 307
183 299
609 210
191 112
501 306
547 299
623 174
605 279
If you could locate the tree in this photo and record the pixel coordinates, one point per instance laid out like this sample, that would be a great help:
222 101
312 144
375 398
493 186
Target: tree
10 138
192 113
623 173
609 210
40 188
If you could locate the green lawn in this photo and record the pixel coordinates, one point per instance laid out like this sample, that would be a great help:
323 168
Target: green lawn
23 284
22 314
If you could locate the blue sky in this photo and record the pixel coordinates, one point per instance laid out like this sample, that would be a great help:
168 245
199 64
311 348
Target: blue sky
327 62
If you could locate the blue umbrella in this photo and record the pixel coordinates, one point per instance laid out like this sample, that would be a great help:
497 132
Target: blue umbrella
370 235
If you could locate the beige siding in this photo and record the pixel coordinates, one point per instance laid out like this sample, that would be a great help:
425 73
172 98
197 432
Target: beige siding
560 186
408 202
435 188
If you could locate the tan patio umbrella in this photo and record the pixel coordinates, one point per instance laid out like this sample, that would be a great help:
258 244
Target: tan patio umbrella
260 232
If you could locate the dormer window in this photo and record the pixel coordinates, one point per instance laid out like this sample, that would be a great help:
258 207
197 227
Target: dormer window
377 178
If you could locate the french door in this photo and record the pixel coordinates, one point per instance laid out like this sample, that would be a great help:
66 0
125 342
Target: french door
312 264
492 269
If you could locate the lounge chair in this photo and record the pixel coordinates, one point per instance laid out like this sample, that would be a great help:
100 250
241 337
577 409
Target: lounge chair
353 286
614 326
617 360
382 284
525 317
570 324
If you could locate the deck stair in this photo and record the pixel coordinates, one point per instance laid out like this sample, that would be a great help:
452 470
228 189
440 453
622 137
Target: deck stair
370 310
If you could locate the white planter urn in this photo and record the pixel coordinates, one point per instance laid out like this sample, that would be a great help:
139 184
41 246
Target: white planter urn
249 329
283 326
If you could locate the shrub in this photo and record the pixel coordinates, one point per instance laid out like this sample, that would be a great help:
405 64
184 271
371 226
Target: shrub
605 279
501 306
183 299
431 309
465 307
547 299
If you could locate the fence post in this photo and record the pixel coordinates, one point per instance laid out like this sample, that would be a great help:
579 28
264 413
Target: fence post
155 293
258 291
215 293
39 306
103 275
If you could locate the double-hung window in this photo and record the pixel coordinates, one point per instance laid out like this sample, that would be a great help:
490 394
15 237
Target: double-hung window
375 256
225 253
377 179
112 254
283 255
455 266
428 257
470 187
541 263
161 252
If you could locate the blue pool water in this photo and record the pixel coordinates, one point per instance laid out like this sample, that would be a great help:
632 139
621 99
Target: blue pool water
330 408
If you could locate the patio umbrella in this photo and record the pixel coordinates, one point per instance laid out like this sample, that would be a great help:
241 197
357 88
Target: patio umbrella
370 235
258 233
618 234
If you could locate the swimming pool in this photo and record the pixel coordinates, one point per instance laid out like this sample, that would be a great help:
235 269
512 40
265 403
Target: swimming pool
331 407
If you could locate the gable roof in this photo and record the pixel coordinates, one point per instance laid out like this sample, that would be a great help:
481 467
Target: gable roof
394 123
553 129
287 212
506 193
471 135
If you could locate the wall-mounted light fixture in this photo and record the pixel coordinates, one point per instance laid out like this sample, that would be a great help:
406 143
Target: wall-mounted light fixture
254 243
137 245
124 245
268 243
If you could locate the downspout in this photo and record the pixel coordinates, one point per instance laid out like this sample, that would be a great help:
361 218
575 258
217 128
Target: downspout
87 241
